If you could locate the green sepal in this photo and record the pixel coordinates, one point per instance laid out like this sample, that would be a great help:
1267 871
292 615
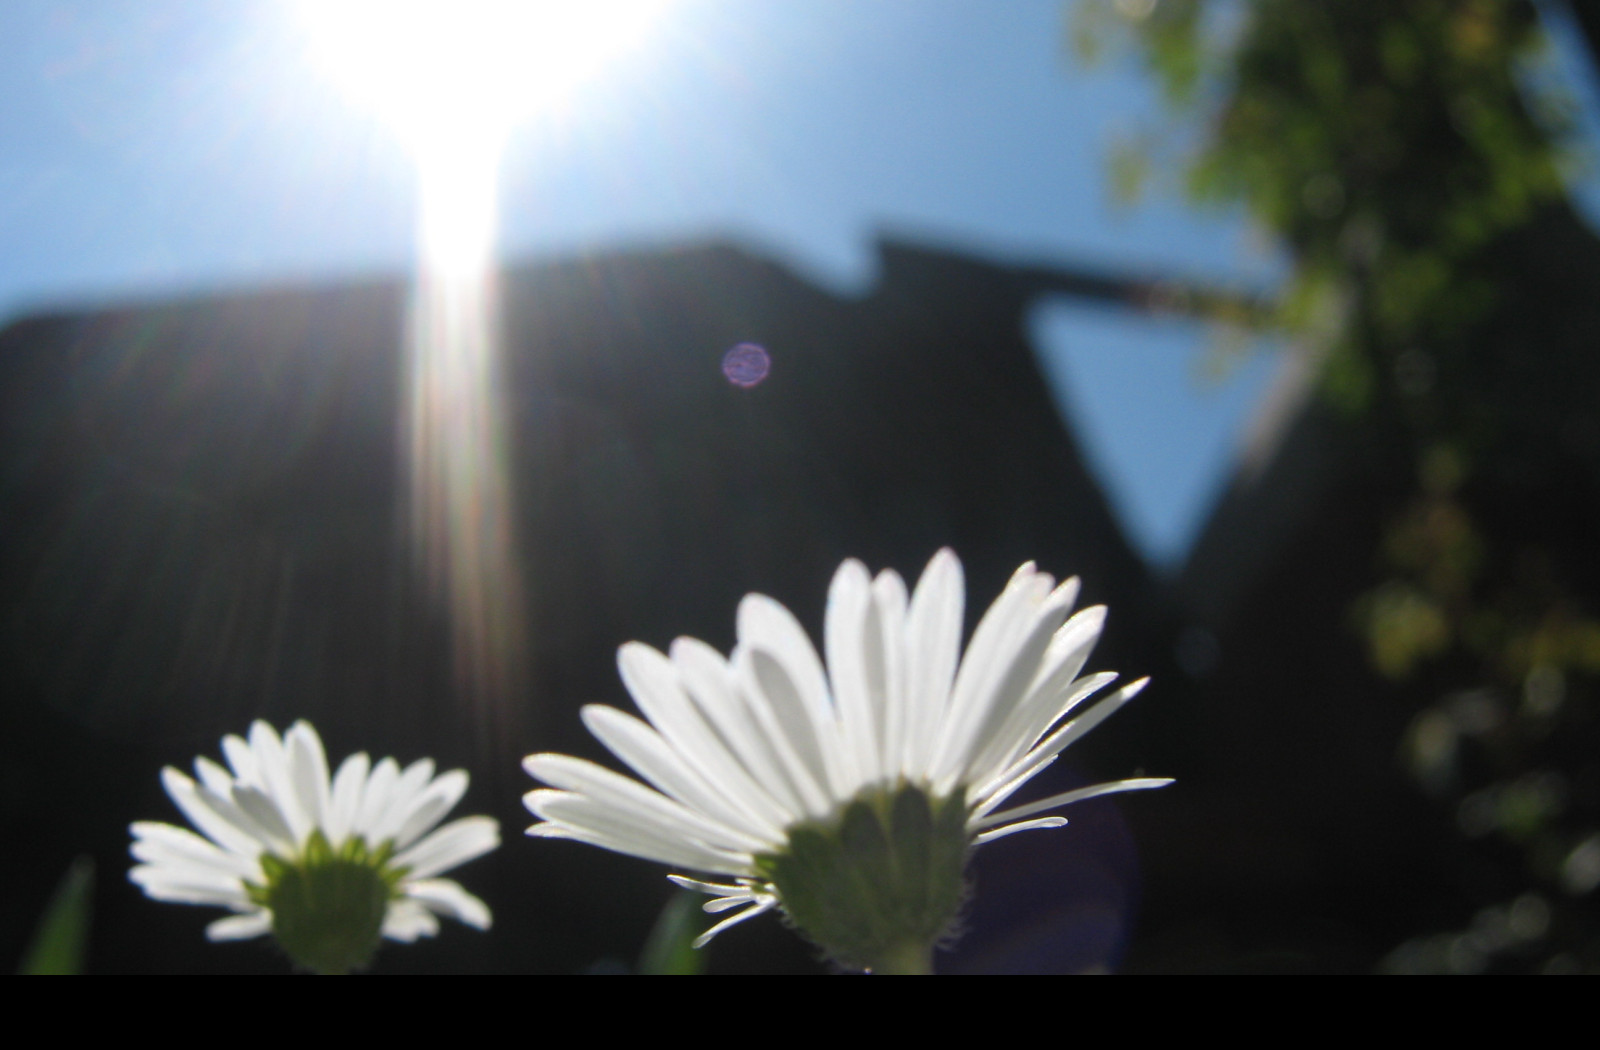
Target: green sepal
882 882
328 905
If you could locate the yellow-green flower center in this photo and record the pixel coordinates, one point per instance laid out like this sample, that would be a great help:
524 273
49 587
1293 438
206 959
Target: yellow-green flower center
881 882
328 905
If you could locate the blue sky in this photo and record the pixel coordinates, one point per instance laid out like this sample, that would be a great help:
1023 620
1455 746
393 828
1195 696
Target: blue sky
149 147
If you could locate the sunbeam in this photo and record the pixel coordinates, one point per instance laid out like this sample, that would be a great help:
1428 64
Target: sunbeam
452 80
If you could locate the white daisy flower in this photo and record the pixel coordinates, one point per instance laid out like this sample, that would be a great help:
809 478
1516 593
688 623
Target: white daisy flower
326 867
849 796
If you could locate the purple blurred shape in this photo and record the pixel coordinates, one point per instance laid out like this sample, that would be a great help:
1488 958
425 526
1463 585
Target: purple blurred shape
746 365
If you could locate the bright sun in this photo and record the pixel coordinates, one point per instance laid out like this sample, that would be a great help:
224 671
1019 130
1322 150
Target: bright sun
433 65
453 77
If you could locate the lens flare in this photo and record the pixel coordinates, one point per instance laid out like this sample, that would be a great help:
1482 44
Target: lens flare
451 79
462 512
746 364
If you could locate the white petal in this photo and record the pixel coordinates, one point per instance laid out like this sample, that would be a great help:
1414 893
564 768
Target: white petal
402 801
255 805
308 772
981 804
761 905
720 708
242 760
213 776
1066 798
1021 825
705 721
165 845
784 661
885 656
1025 767
932 652
265 836
437 799
223 828
999 684
1054 692
375 795
1050 702
715 889
240 927
627 796
272 763
407 920
345 799
1001 631
190 886
1066 592
643 749
634 841
644 836
447 898
844 639
784 728
635 832
450 846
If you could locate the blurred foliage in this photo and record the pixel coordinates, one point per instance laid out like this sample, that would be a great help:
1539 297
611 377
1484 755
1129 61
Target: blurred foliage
670 947
1395 150
62 939
1385 144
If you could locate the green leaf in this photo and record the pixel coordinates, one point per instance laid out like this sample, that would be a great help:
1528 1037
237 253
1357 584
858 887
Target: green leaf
63 935
670 947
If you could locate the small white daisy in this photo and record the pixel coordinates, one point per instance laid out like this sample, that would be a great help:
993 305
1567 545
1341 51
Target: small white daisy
849 796
325 867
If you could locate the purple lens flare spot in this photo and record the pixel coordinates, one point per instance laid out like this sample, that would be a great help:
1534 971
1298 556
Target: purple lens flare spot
746 365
